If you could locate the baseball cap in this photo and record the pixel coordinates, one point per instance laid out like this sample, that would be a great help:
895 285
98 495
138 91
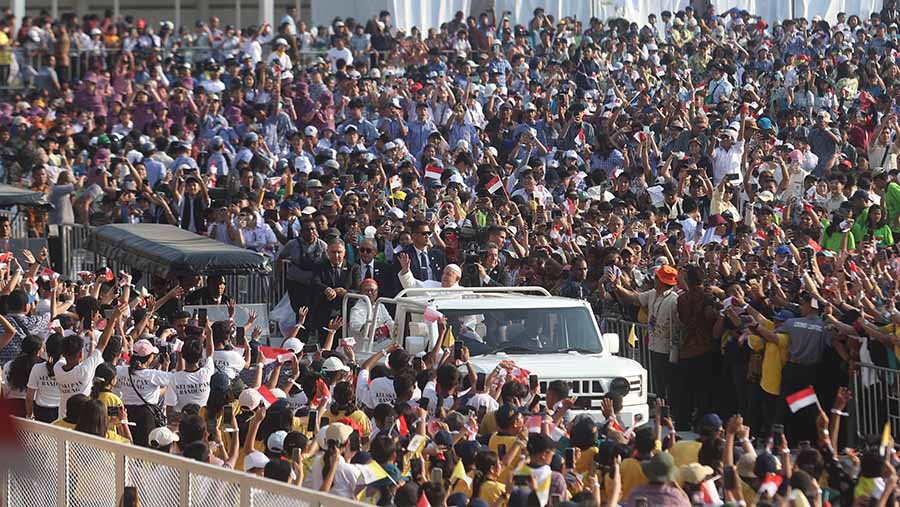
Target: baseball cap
161 437
275 442
339 432
292 344
711 421
310 131
255 459
144 348
249 399
333 364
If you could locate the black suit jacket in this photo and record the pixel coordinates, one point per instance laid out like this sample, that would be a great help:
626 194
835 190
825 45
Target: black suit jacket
324 277
437 261
383 273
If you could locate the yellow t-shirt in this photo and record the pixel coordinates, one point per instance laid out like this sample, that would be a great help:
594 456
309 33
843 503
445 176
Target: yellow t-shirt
357 416
63 424
490 491
632 477
583 464
110 400
498 439
488 424
5 54
775 356
685 452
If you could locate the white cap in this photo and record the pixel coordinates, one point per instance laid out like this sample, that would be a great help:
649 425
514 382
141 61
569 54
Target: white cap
374 73
280 42
309 210
310 131
250 399
396 212
462 144
302 165
765 196
456 178
275 442
334 363
255 459
278 393
389 145
292 344
161 437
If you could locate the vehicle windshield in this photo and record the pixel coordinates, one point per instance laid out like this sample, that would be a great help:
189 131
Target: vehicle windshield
525 331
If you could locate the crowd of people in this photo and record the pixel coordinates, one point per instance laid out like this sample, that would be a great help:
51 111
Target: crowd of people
728 184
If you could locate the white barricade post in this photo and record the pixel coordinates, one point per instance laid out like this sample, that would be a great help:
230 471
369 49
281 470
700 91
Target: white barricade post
876 400
65 468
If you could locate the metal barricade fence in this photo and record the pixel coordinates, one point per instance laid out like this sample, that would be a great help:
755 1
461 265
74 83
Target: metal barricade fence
876 400
67 468
637 351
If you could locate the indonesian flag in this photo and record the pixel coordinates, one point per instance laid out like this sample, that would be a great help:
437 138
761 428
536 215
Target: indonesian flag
770 485
272 354
815 246
402 426
710 494
432 171
49 274
423 500
395 182
268 398
5 256
579 139
534 424
494 184
322 394
108 275
801 399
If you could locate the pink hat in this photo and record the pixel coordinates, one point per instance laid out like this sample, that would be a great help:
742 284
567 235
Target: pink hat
143 348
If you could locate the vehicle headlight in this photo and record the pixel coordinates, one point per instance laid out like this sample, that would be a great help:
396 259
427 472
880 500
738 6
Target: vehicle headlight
620 386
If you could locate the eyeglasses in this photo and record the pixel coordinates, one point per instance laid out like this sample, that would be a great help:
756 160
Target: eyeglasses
425 232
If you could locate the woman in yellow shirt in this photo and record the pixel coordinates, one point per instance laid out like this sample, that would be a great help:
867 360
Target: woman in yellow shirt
343 404
485 484
93 420
105 379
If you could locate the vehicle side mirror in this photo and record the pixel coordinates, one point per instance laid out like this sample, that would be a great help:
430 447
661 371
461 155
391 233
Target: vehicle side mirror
610 342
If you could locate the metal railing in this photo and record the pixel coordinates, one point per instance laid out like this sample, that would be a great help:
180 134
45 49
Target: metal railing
67 468
639 351
876 400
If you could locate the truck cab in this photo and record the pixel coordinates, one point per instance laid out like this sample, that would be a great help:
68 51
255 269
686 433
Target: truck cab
553 337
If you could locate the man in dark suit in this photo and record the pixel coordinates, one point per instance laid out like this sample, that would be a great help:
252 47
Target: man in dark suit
332 279
212 294
368 267
425 263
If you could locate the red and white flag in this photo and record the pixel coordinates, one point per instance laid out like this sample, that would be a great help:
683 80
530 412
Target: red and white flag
423 500
268 398
710 494
395 182
801 399
770 484
272 354
494 184
49 274
434 172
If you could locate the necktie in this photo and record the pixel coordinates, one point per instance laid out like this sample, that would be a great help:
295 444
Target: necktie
337 275
423 264
368 272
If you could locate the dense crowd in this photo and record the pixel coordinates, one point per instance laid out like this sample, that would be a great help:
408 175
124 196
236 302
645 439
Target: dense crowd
728 184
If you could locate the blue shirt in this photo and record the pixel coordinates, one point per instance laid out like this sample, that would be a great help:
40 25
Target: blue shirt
418 134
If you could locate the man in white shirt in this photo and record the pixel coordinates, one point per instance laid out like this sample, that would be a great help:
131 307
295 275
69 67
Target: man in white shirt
229 360
339 52
726 157
75 375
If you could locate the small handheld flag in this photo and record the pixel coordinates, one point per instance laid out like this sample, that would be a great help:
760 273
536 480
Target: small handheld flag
802 399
